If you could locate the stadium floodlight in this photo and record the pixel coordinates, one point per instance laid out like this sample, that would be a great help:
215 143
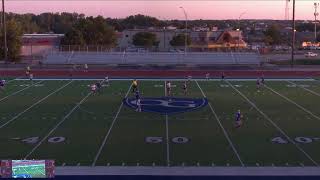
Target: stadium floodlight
293 31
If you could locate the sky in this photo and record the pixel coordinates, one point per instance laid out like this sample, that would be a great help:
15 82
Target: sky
169 9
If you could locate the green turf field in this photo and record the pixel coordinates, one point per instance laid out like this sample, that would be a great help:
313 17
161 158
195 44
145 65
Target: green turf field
64 121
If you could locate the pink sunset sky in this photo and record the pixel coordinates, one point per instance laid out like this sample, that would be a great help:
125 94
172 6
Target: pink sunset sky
167 9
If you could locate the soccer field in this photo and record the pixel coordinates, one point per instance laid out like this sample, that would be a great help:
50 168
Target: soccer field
62 120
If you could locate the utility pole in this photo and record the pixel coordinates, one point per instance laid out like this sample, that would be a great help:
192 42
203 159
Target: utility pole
293 31
316 5
186 31
4 33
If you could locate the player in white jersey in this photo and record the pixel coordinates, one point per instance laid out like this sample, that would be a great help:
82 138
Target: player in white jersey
138 105
168 88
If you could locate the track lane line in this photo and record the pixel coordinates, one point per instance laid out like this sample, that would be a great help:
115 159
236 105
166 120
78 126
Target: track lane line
274 124
57 125
109 130
38 102
221 126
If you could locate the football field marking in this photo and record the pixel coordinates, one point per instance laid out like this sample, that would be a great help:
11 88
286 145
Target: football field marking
38 102
221 126
12 94
309 90
274 124
167 128
109 131
291 101
57 125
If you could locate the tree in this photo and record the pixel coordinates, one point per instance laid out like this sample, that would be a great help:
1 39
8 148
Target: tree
272 35
145 39
73 37
14 40
179 40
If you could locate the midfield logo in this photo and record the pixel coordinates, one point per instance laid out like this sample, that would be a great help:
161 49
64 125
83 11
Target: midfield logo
167 105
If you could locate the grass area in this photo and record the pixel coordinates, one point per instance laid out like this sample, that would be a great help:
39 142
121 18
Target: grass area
62 120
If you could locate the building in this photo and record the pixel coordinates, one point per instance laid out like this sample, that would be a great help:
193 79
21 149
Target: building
201 40
38 44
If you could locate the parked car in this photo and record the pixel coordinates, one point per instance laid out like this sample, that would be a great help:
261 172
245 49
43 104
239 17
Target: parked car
311 54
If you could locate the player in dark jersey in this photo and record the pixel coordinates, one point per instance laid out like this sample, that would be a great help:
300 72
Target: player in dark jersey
238 119
99 86
137 95
262 80
258 84
222 76
2 84
184 88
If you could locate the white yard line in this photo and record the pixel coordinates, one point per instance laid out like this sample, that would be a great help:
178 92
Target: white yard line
221 126
274 124
57 125
109 131
289 100
30 107
167 128
12 94
312 92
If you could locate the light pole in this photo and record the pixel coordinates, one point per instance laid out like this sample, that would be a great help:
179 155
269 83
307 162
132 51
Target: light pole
316 5
186 33
239 32
293 31
4 32
164 33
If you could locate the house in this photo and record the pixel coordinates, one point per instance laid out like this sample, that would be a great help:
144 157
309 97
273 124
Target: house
38 44
200 40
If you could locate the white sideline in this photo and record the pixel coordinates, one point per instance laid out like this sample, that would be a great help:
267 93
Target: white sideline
309 90
53 129
12 94
171 79
274 124
109 131
289 100
167 129
188 171
221 126
41 100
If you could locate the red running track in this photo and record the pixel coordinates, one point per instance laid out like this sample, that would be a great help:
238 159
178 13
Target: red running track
160 73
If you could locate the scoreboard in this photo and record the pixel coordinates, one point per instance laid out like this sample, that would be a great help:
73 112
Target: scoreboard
27 169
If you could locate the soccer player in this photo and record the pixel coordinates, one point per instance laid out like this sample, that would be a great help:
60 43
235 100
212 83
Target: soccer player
207 76
189 78
86 67
99 86
168 86
222 76
28 71
262 80
238 118
184 88
31 78
2 84
93 88
134 85
258 84
106 80
138 105
137 94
